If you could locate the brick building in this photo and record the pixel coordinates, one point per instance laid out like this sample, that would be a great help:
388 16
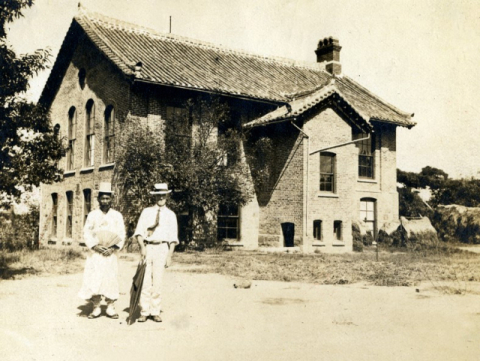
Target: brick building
334 142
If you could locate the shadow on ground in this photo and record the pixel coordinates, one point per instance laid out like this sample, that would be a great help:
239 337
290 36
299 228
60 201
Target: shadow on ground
12 273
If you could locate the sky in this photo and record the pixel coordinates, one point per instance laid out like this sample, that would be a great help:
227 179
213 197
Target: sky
421 56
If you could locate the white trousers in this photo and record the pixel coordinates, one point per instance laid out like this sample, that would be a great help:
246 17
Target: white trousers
150 299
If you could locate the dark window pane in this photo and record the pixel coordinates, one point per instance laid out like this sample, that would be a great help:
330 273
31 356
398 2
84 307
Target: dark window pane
317 229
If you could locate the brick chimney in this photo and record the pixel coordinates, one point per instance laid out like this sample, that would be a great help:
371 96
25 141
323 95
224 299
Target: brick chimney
328 51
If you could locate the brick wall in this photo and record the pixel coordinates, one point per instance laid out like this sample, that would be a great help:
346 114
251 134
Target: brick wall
282 201
383 188
327 129
105 86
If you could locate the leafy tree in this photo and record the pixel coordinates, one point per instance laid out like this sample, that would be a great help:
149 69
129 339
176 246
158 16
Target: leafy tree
197 152
207 167
138 165
433 178
29 146
411 205
463 192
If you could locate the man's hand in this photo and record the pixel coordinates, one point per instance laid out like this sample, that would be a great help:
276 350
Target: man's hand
99 249
168 262
143 249
108 252
143 252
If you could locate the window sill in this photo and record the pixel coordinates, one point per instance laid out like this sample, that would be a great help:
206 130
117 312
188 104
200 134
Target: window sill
106 166
327 195
338 244
87 169
366 180
69 173
318 244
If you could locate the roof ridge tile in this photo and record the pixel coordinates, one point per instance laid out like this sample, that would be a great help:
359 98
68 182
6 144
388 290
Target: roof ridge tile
134 28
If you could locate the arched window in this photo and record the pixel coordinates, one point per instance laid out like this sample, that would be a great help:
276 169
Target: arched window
367 214
72 130
56 129
109 140
327 172
69 224
54 214
89 133
87 203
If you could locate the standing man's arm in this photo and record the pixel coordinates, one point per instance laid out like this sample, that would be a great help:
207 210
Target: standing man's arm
89 236
139 234
119 227
173 241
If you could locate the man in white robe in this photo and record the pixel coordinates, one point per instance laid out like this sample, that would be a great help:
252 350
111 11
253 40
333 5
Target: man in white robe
157 235
104 234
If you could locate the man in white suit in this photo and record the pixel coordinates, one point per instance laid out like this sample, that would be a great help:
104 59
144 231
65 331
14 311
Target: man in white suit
157 235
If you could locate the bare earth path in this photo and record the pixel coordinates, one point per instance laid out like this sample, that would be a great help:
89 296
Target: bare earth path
206 318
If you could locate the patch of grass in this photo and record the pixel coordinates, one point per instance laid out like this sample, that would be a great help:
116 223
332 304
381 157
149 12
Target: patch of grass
395 267
46 261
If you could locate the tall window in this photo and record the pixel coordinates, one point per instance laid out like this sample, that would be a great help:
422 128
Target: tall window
337 230
367 214
366 158
69 224
72 130
228 222
179 120
109 140
87 203
89 133
54 214
317 229
327 172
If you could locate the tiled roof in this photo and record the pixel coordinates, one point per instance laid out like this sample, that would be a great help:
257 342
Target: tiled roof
178 61
173 60
348 94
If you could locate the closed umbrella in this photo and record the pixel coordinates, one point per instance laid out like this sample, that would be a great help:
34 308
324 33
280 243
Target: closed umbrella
136 290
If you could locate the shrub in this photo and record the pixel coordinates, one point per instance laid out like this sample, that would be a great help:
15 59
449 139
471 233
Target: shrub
457 224
357 246
20 231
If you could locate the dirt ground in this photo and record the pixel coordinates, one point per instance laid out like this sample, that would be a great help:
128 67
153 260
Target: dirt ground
206 318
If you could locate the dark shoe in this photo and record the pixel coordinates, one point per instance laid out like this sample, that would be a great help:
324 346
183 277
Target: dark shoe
114 317
142 319
157 318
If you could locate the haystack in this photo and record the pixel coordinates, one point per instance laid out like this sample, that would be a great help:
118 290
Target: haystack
418 232
408 232
458 223
388 236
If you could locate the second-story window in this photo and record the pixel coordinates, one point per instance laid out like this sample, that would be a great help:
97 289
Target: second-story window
109 140
327 172
89 133
72 130
366 157
179 120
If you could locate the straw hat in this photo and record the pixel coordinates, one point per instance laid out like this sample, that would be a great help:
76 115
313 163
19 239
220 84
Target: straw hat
105 187
160 188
